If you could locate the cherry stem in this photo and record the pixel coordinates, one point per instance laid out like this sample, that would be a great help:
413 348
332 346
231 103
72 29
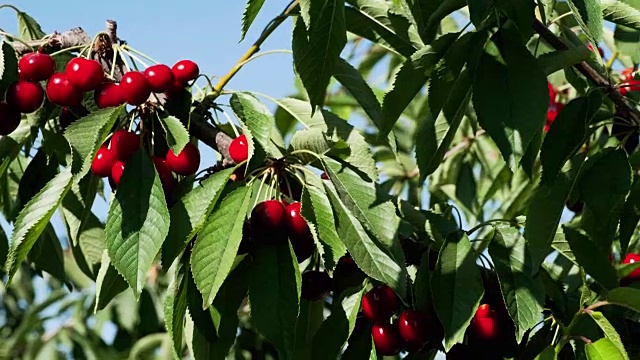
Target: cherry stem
264 179
286 181
488 222
68 49
233 126
305 151
134 58
15 38
116 50
279 51
129 48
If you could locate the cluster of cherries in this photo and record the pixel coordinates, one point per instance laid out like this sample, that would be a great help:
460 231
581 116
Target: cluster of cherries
629 83
111 159
412 330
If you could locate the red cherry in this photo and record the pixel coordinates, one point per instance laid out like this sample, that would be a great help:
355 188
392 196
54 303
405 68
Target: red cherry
116 171
187 162
25 96
631 85
386 339
299 232
85 74
68 115
36 66
379 303
9 118
268 220
62 92
103 162
324 176
164 172
315 285
416 328
160 78
630 259
485 324
108 94
552 93
175 88
627 74
185 71
135 88
124 144
600 51
239 149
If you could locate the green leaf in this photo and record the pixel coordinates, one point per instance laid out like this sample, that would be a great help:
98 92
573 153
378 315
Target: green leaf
335 330
369 257
521 12
523 294
109 283
411 77
177 134
4 249
137 222
274 293
444 9
545 210
316 209
625 296
335 127
46 254
456 287
621 13
603 349
28 27
8 66
593 257
188 215
549 353
510 96
420 11
87 134
316 52
314 140
590 17
370 19
217 244
609 332
11 144
175 306
374 210
568 133
561 59
250 13
422 285
257 118
352 80
34 218
630 216
605 184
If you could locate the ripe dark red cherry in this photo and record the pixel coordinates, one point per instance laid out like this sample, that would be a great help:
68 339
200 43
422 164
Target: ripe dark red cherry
68 115
160 78
175 88
315 285
124 144
416 328
103 162
299 232
386 339
186 162
9 118
25 96
485 324
576 207
324 176
116 172
630 259
185 71
135 88
164 172
62 92
379 304
268 220
239 149
36 66
108 94
85 74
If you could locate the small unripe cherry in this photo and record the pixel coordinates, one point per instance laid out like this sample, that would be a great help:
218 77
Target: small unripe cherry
36 66
25 96
102 163
186 162
9 118
185 71
239 149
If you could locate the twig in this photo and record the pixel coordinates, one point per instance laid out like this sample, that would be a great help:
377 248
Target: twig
590 73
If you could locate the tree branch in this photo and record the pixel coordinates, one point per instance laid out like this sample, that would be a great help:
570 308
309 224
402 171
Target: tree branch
590 73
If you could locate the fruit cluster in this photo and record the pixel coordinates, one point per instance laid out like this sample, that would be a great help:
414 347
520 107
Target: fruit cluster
111 159
629 82
412 330
554 107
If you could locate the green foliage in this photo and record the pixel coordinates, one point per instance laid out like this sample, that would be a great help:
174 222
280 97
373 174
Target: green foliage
417 147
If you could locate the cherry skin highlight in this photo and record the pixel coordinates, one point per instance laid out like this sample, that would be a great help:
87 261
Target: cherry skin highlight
239 149
85 74
36 66
379 303
160 78
386 339
185 71
103 162
62 92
